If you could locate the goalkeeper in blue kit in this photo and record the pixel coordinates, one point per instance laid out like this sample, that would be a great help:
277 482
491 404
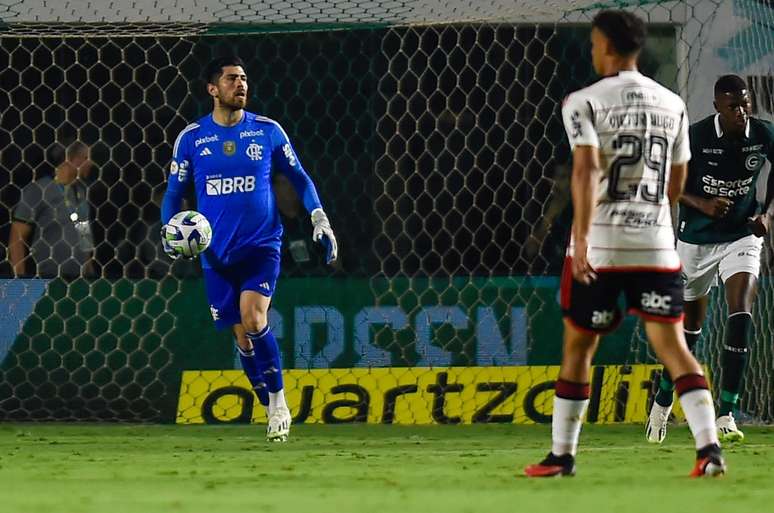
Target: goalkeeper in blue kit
229 156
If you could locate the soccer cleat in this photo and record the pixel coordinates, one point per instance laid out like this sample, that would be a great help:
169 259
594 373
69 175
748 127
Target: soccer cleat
656 428
709 462
278 428
727 430
552 466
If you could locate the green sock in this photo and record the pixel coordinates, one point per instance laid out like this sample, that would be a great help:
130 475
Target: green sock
666 388
728 402
734 360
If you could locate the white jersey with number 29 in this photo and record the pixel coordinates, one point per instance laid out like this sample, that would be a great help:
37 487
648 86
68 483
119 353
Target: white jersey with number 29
641 129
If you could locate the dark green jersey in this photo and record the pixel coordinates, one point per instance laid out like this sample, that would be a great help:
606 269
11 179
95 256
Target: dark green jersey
728 168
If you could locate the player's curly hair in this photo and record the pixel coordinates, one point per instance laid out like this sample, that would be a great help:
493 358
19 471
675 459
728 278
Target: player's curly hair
625 31
214 69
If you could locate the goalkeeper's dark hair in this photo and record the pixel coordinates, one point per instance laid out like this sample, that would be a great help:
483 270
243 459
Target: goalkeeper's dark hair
625 31
730 84
214 69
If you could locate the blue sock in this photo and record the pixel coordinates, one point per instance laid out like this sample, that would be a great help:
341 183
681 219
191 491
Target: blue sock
268 358
250 366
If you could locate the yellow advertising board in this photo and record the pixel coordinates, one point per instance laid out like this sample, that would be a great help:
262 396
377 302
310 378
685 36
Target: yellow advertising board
413 395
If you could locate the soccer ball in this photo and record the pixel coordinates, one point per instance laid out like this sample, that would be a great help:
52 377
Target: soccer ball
188 233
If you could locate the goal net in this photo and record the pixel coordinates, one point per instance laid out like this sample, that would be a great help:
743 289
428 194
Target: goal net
432 131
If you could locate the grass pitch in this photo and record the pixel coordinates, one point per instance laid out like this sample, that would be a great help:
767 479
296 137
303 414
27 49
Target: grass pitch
62 468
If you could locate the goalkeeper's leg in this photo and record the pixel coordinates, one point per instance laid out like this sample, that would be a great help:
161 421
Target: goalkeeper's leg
250 365
656 427
254 307
570 402
223 296
695 397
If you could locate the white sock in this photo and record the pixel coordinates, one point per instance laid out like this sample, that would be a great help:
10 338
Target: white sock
566 425
277 400
700 413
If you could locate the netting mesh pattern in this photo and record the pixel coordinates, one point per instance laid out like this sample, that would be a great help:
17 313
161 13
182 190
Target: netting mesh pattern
472 145
128 98
33 15
345 97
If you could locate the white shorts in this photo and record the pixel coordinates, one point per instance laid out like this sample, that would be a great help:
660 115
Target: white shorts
703 263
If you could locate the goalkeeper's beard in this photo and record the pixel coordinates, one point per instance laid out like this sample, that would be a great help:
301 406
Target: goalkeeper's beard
235 103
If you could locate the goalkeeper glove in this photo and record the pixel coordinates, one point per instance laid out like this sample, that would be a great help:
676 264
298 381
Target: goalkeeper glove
169 250
323 234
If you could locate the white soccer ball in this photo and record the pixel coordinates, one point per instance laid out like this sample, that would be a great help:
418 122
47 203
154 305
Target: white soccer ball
188 233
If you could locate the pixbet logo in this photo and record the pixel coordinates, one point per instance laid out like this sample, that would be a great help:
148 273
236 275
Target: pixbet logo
223 186
250 133
655 302
205 139
640 96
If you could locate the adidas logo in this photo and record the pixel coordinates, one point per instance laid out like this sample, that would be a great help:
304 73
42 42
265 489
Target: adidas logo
206 151
264 285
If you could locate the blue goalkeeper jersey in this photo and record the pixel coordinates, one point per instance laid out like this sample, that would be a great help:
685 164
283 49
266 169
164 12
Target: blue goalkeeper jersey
231 170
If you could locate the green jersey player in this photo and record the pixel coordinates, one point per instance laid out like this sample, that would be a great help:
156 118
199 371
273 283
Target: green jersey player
720 234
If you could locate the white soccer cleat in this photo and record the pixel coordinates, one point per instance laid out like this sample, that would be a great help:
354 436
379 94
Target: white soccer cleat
278 429
656 428
727 430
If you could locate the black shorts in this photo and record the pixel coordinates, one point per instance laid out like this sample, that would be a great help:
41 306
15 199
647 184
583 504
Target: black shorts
653 295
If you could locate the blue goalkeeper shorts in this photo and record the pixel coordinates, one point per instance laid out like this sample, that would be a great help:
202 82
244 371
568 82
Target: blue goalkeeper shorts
258 272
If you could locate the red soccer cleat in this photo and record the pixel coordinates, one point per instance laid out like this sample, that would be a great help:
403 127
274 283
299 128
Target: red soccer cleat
709 462
552 466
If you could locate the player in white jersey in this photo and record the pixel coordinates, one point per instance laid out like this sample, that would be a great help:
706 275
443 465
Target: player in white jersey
629 137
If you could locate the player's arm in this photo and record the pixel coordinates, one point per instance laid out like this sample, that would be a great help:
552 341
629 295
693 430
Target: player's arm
713 207
676 187
18 242
760 224
586 174
24 214
769 200
180 176
578 116
285 160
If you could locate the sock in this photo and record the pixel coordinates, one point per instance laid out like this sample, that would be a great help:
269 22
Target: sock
666 388
734 360
696 400
277 400
268 357
570 403
250 366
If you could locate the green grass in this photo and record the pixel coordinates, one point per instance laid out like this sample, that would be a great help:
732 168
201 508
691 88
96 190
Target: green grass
62 468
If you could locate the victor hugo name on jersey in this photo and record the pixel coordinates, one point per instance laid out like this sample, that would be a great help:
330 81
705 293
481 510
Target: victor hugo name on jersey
641 120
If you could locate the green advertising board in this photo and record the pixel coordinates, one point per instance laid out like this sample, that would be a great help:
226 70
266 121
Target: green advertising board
114 350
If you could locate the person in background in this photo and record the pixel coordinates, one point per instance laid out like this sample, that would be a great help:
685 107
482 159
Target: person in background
51 224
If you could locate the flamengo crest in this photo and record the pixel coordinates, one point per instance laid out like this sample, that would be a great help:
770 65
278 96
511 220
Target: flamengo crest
254 151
